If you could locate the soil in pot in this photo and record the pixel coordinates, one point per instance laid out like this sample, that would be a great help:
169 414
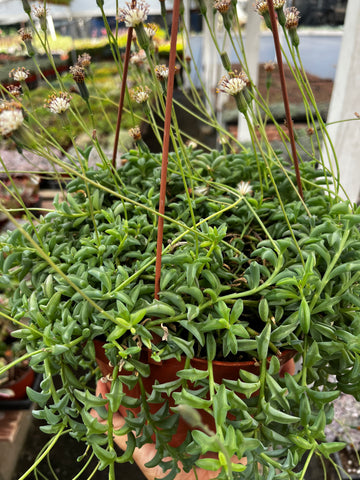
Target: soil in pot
16 386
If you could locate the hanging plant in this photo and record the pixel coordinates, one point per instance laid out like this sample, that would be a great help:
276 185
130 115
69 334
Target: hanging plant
181 263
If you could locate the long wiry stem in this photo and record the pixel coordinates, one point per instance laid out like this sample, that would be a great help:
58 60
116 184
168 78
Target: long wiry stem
122 93
285 94
166 140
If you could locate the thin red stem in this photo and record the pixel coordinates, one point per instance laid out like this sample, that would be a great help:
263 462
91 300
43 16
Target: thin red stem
122 94
285 94
166 142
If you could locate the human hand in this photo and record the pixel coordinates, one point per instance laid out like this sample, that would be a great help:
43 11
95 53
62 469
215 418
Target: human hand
144 454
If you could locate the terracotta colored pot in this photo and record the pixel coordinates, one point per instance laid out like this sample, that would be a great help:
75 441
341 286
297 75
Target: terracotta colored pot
18 386
166 372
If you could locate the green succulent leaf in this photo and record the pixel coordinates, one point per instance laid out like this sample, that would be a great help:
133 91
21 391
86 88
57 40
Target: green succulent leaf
40 398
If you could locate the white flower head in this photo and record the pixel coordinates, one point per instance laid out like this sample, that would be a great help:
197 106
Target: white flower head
19 74
58 103
161 72
140 94
232 85
244 188
135 14
261 6
278 4
201 191
151 29
11 117
292 17
191 144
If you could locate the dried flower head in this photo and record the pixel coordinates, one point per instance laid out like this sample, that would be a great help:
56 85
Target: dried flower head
269 66
222 6
14 90
292 16
25 34
286 123
58 102
161 72
135 133
261 6
140 94
138 58
84 60
232 85
19 74
244 188
357 115
133 15
40 12
310 131
11 117
151 29
78 73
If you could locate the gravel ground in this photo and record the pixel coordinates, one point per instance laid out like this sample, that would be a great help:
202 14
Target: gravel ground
346 424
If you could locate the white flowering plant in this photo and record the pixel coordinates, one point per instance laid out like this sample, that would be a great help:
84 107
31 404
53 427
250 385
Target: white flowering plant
188 261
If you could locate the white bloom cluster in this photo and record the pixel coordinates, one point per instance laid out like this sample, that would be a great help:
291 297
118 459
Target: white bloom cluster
244 188
19 74
278 4
11 117
161 72
58 103
261 6
292 17
151 29
231 85
134 15
140 94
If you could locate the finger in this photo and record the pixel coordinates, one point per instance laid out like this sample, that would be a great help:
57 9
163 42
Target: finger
102 388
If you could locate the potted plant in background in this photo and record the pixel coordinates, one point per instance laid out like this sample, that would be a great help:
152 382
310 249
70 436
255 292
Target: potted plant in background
256 258
18 191
15 380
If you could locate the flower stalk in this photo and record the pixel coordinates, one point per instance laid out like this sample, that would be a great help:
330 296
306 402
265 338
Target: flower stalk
122 92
